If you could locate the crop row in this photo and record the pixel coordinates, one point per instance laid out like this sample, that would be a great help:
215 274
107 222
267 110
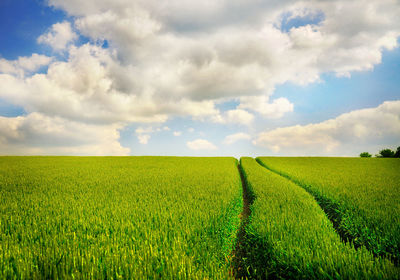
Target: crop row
113 218
361 196
289 235
178 218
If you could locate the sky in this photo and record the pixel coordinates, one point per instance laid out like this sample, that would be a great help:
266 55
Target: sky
199 78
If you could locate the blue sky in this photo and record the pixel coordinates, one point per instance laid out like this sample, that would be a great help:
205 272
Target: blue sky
21 23
294 78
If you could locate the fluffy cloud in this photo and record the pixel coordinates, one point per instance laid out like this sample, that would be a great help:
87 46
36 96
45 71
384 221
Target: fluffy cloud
236 116
261 104
164 61
92 86
144 138
123 28
59 36
195 54
360 129
144 133
177 133
230 139
180 58
200 144
37 134
24 64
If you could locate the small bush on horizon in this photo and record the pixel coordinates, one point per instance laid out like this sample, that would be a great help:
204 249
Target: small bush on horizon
365 154
397 154
386 153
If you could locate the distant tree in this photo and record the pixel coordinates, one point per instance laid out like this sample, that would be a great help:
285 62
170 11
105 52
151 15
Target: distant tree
386 153
365 154
397 153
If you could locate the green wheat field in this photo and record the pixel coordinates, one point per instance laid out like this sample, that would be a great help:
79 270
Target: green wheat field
199 218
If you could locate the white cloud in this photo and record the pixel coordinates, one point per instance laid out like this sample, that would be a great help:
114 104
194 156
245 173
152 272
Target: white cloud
175 61
37 134
356 130
92 86
179 58
239 116
144 130
261 104
236 116
150 129
200 144
177 133
230 139
144 133
123 28
143 138
59 36
165 62
24 64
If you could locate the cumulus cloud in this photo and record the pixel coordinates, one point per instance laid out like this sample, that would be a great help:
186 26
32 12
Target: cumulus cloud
164 61
360 129
92 86
181 58
144 133
37 134
200 144
144 130
230 139
144 138
260 104
177 133
236 116
59 36
123 28
24 65
150 129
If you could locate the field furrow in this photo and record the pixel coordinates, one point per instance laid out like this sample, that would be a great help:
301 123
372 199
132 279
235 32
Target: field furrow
360 196
241 252
289 236
195 218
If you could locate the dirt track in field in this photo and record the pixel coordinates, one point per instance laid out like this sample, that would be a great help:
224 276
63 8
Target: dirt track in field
239 254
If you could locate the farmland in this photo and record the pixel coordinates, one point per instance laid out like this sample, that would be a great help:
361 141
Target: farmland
181 218
291 237
98 218
361 196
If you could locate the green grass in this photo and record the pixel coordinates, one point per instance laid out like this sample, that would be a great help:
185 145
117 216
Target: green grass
361 196
178 218
118 217
289 235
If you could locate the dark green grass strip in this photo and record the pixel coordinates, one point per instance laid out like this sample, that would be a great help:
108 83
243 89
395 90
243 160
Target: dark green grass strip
337 215
240 254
